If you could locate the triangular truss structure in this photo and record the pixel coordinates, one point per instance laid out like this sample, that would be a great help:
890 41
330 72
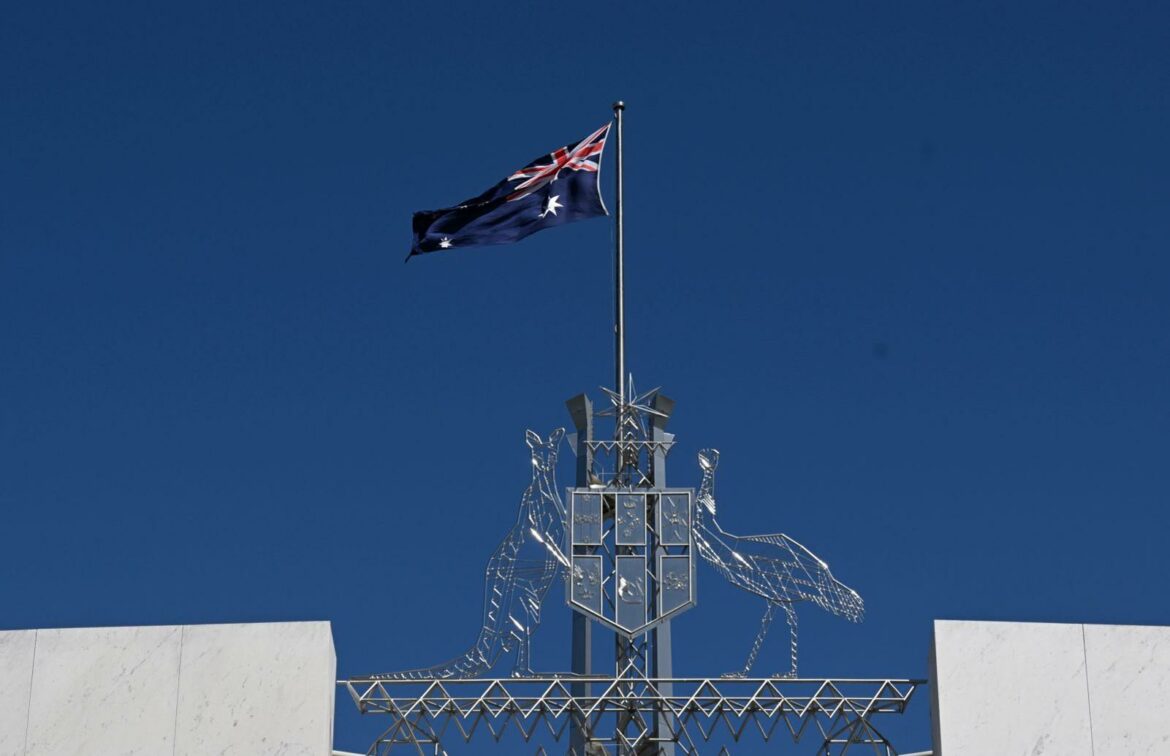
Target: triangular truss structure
696 711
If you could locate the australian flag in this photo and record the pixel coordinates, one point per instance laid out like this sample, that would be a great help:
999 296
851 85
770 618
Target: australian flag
557 188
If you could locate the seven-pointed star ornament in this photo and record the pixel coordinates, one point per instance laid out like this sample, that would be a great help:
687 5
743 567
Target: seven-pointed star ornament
635 408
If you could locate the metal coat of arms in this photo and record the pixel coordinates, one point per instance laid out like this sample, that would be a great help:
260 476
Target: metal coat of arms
628 544
630 553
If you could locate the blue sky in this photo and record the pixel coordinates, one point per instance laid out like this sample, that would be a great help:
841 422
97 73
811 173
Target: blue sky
905 264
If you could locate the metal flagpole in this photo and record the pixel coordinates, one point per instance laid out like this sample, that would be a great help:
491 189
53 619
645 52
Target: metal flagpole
624 650
619 324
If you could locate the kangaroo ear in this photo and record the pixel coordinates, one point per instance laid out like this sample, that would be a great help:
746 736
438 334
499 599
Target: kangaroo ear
532 438
554 438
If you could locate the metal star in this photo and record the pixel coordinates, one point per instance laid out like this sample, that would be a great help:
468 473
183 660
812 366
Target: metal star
633 400
635 406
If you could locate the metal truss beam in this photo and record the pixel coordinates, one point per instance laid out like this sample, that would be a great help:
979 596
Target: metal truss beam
839 713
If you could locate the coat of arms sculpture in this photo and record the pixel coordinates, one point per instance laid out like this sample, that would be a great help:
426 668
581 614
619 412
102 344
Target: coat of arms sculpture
630 553
625 545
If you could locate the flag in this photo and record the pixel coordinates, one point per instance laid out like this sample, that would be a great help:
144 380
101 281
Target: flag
557 188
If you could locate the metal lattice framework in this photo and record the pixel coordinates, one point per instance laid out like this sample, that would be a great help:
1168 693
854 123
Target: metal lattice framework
837 713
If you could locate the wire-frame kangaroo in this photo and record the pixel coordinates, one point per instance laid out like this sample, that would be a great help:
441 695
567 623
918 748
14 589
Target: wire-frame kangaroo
518 576
773 567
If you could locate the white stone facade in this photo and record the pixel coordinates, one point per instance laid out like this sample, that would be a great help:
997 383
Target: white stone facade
1065 690
184 690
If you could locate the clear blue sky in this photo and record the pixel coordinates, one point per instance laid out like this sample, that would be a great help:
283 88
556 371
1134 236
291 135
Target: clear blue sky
904 263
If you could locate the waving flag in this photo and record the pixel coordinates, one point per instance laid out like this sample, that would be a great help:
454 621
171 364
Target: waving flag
557 188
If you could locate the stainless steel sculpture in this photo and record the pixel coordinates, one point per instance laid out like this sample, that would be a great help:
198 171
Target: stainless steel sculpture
630 553
617 518
773 567
628 543
518 576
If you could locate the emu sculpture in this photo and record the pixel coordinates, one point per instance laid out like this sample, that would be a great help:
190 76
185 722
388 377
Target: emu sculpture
774 567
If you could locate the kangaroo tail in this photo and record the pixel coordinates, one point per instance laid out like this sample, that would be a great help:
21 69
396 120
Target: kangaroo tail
470 664
477 660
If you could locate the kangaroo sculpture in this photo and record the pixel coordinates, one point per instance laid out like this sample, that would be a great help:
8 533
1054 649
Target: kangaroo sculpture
518 576
773 567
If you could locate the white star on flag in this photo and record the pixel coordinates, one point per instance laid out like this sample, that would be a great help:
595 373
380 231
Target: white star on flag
552 205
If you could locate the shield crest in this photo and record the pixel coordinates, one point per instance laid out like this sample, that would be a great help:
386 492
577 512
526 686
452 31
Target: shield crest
630 553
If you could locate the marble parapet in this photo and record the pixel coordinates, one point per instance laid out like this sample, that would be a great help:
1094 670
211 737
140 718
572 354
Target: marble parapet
1036 688
182 690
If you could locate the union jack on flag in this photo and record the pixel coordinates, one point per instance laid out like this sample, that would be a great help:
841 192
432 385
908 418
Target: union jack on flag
556 188
575 159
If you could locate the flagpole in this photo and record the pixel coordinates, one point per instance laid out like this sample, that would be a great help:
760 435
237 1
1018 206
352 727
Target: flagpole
619 325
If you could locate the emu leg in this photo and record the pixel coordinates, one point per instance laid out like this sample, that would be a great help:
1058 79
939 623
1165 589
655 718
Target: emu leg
790 613
765 623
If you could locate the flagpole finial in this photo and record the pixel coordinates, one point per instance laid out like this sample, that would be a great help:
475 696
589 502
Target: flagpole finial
619 105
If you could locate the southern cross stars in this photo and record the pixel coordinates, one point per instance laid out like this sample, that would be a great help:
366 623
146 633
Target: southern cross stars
551 205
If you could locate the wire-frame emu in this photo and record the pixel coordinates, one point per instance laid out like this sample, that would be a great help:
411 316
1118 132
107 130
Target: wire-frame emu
774 567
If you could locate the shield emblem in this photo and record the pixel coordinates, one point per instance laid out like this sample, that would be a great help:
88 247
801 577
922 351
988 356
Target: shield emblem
630 553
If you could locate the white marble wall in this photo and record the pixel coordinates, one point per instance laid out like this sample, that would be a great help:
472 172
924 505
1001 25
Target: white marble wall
192 689
16 665
103 690
1129 688
1064 690
236 677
